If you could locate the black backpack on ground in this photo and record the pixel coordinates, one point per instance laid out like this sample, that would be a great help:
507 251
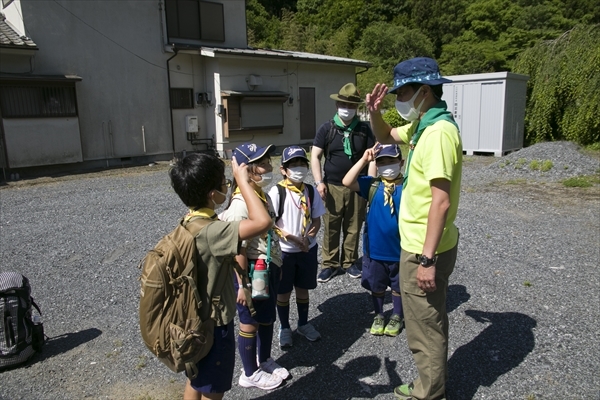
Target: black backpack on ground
20 336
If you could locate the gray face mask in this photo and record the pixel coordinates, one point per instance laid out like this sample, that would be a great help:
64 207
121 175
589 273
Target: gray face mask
265 180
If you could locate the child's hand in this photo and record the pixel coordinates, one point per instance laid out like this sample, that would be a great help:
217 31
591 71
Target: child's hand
240 172
370 154
241 297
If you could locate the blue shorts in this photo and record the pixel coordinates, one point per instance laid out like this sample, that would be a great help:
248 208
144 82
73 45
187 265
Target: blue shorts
265 309
215 371
299 270
377 275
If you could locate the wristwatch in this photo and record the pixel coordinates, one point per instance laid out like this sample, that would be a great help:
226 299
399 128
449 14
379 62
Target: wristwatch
426 262
317 183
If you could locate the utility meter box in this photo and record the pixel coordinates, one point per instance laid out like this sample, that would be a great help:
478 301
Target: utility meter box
191 124
489 110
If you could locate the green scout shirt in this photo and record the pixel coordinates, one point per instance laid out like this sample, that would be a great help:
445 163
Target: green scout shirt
218 244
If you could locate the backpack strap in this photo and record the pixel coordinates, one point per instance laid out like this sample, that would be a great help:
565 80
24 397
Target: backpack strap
329 138
282 195
373 189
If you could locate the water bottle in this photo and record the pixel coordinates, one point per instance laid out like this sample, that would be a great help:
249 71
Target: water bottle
260 280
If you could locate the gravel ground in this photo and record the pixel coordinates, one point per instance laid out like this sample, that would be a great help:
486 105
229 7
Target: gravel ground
524 299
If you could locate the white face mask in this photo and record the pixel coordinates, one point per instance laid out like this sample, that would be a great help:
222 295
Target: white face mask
297 174
389 171
265 180
346 113
217 205
407 109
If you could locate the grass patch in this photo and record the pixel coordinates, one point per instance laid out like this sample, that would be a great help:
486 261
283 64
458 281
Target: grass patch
519 181
534 165
546 165
520 163
581 181
527 284
141 363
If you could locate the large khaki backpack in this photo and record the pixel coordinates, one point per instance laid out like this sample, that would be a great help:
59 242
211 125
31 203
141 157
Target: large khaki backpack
170 304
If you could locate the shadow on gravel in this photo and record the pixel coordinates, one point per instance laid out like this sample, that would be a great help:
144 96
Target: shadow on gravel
343 321
63 343
499 348
456 295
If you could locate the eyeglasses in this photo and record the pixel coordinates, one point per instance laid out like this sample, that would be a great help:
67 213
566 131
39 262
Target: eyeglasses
227 183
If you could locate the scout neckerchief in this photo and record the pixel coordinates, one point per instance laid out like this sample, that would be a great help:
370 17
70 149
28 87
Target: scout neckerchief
346 130
304 206
436 113
204 212
388 192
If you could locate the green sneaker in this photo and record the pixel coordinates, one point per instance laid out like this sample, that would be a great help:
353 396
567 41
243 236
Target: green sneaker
404 392
378 325
395 326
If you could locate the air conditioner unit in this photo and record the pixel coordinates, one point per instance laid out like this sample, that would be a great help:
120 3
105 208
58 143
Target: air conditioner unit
254 80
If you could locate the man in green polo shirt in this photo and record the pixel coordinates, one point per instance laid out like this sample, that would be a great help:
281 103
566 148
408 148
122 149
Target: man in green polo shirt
428 236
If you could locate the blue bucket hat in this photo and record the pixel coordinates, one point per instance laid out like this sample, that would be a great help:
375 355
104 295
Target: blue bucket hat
249 152
289 153
389 150
417 70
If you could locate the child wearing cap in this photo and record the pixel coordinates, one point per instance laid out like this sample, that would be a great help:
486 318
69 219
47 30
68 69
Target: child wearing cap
381 243
299 214
256 331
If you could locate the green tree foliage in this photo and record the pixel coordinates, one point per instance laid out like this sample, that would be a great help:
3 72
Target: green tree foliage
564 87
385 44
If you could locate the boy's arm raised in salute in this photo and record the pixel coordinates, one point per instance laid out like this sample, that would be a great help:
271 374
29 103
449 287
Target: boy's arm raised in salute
351 178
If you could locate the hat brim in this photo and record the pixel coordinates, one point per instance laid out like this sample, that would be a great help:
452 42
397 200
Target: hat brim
261 152
337 97
433 82
295 156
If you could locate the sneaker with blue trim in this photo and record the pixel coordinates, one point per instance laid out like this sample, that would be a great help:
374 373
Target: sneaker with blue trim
285 338
309 332
326 274
273 368
260 379
354 272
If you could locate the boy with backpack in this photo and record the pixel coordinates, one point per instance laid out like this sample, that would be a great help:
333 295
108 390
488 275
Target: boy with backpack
199 181
381 242
262 251
298 222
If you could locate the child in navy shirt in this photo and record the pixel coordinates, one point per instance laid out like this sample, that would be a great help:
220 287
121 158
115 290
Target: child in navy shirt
299 213
381 243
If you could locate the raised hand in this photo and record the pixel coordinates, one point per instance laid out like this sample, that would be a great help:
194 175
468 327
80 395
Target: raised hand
374 100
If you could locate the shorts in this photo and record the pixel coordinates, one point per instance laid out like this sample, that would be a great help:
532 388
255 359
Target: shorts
299 270
215 371
266 312
377 275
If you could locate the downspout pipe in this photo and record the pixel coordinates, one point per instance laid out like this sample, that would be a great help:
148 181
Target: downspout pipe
169 94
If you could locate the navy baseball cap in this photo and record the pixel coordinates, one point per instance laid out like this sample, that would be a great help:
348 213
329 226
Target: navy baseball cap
417 70
389 150
250 152
289 153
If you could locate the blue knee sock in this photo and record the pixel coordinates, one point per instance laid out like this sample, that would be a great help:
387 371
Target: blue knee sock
397 304
378 302
302 305
247 349
265 341
283 311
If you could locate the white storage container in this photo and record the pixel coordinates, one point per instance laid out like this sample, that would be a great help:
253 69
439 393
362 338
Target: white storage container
489 110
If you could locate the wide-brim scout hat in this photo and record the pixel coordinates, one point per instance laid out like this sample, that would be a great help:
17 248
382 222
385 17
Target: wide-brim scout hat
417 70
249 152
289 153
348 94
389 150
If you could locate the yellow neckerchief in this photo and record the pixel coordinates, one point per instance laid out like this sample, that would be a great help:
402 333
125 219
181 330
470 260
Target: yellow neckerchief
261 195
204 212
388 191
304 206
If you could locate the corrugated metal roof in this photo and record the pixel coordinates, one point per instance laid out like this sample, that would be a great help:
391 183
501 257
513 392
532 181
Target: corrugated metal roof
271 53
9 37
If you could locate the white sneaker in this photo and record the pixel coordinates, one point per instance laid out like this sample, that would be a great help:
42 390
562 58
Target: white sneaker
272 367
260 379
309 332
285 338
